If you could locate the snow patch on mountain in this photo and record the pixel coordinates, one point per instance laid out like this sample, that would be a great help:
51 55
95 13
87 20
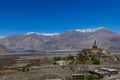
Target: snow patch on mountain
45 34
89 30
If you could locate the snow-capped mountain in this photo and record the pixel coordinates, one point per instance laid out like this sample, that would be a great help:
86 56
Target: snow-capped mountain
89 30
45 34
71 40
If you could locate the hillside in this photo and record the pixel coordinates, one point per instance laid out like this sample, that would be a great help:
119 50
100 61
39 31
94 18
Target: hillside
3 50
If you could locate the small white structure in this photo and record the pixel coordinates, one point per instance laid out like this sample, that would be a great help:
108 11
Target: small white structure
104 71
110 70
63 62
49 66
53 79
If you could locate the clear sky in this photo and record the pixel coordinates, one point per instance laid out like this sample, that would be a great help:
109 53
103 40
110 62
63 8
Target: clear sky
21 16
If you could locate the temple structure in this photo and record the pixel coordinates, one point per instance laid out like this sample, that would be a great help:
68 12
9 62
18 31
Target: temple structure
93 50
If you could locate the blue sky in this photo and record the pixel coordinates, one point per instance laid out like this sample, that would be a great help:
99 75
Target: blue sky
51 16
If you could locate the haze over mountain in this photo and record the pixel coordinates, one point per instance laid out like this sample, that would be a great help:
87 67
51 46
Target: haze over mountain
69 40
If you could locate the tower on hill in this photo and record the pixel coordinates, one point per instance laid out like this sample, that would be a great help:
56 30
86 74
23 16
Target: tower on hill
94 45
94 50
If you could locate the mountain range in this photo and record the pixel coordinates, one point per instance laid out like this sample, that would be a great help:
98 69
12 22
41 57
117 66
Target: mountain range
69 40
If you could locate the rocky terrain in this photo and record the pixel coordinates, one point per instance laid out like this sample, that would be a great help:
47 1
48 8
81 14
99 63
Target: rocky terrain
69 40
80 65
3 50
